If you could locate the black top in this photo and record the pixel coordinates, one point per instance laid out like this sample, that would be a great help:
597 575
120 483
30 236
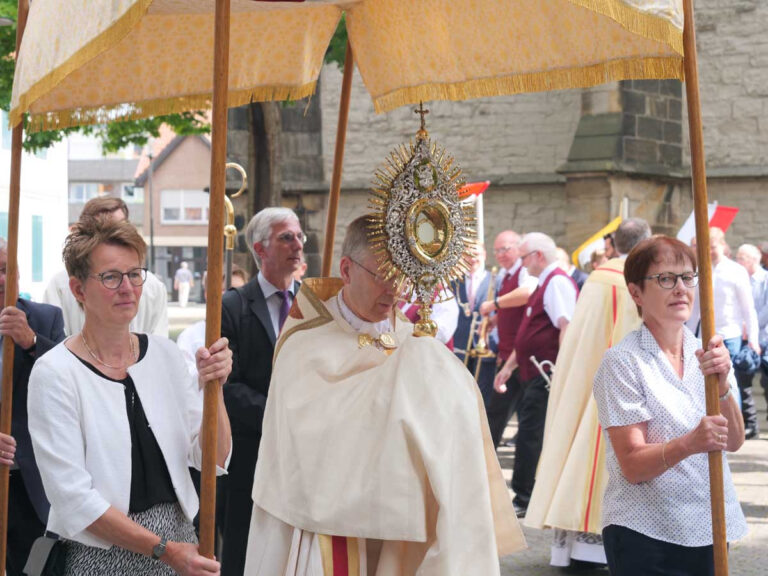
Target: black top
150 481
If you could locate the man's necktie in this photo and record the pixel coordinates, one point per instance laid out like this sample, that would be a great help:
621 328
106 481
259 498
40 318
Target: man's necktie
285 307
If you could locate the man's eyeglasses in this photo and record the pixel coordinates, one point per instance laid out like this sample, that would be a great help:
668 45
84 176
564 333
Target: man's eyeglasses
288 237
524 256
377 277
668 280
502 250
112 279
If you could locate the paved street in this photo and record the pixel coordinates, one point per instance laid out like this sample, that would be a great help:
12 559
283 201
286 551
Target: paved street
749 466
748 557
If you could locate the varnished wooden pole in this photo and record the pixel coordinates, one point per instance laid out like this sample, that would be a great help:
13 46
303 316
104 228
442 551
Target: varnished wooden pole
215 256
11 293
338 162
705 277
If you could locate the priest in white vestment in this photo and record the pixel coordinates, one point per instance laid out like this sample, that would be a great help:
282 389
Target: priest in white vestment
375 458
571 476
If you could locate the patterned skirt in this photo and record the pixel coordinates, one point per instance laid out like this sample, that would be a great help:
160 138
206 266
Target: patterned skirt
163 519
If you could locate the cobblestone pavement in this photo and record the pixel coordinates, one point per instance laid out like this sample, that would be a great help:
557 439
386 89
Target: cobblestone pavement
748 557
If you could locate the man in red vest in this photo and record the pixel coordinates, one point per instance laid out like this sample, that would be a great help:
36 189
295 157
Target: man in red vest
514 287
545 318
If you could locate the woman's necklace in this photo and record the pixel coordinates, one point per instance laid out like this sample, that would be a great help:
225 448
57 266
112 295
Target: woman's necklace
100 361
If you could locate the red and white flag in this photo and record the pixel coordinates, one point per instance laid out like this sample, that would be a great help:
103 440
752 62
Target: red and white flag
719 217
473 193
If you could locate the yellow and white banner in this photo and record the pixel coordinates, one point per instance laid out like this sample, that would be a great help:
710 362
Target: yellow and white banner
581 255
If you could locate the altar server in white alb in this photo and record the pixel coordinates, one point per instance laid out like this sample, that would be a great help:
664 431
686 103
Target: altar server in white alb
571 477
376 457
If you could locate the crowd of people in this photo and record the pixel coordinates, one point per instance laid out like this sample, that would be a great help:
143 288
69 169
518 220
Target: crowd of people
335 421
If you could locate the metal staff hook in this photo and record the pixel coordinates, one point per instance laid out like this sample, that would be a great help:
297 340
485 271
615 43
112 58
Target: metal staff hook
230 230
540 366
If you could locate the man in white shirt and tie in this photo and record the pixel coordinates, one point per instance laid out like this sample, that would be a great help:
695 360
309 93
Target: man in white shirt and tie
749 256
470 294
734 309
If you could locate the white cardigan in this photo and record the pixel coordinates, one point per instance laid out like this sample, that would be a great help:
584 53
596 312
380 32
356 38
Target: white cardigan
82 442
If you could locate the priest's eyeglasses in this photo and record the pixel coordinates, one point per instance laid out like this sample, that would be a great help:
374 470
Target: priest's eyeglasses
112 279
668 280
377 277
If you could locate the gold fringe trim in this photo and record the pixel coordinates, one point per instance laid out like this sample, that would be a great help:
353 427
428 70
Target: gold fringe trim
323 315
643 24
132 111
631 69
104 41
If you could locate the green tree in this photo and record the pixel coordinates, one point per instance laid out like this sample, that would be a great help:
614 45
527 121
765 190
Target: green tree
113 136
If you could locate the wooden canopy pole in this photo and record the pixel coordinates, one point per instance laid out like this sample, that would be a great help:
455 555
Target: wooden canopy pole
215 255
11 293
338 162
705 277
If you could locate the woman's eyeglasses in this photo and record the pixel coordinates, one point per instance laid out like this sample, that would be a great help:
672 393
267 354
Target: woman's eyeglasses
112 279
668 280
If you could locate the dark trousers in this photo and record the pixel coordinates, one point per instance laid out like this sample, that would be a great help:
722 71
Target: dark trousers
23 525
764 368
630 553
500 407
484 377
748 408
531 415
235 493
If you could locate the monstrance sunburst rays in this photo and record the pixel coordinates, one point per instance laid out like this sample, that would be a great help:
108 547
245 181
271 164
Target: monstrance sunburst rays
420 230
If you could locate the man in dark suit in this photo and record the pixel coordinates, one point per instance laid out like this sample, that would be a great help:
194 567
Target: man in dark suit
470 293
251 319
578 276
35 329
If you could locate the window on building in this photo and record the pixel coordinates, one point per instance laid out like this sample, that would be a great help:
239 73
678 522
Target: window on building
184 207
5 136
5 132
81 192
37 248
131 194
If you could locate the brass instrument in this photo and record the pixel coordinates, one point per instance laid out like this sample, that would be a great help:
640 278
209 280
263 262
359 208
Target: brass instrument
481 349
470 343
540 366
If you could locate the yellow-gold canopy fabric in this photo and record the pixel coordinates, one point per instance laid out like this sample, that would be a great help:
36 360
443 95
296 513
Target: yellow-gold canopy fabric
91 61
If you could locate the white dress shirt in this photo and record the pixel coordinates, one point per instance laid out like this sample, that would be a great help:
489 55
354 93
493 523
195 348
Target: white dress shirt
759 281
734 305
472 283
189 341
524 280
274 302
560 297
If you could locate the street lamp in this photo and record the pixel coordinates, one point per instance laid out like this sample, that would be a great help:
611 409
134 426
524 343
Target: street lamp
151 214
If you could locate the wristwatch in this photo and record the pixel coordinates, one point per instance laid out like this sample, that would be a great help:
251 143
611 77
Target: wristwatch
34 345
159 549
